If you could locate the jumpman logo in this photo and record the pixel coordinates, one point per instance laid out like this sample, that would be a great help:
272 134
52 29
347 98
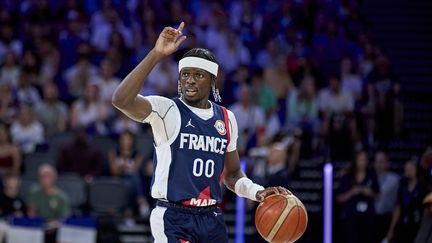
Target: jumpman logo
189 124
216 214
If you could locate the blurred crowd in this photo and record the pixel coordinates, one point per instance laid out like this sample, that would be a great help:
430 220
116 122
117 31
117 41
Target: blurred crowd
378 205
308 70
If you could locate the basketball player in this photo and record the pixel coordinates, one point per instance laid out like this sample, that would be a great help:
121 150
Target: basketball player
194 139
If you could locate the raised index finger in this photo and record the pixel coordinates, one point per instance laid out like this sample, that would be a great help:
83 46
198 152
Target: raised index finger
180 28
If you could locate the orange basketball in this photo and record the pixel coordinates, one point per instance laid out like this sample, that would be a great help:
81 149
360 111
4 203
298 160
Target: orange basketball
281 218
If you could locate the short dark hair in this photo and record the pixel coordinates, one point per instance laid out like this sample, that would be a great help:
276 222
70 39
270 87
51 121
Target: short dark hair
200 52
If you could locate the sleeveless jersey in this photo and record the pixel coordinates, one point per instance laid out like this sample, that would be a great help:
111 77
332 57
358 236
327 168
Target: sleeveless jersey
189 169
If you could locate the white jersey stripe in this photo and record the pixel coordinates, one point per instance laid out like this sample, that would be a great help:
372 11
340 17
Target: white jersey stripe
157 225
163 154
160 184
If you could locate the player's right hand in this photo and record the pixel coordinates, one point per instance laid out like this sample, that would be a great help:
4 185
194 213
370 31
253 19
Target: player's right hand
263 194
169 40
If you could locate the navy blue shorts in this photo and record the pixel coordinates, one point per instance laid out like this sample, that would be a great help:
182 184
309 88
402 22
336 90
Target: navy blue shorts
180 224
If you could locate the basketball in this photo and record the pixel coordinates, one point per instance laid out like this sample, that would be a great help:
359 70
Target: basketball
281 218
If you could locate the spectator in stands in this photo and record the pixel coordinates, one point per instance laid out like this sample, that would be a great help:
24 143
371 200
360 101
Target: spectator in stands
79 75
387 117
282 158
11 204
335 100
48 201
26 92
107 83
278 78
27 132
357 192
231 52
329 46
10 70
101 34
338 126
81 157
268 57
351 80
277 173
40 14
250 118
122 124
89 111
302 111
382 77
266 100
408 212
263 93
121 60
8 105
244 17
303 105
9 42
217 30
163 78
71 37
424 234
367 60
52 112
234 81
386 202
10 158
125 162
305 67
100 17
30 65
50 61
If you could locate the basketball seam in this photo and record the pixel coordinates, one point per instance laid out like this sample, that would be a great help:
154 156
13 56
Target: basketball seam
279 222
298 220
269 207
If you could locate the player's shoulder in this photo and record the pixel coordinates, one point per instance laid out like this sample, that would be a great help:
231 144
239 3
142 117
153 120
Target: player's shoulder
231 116
158 98
229 112
160 104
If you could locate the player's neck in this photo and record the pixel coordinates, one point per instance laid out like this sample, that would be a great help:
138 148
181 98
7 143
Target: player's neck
200 104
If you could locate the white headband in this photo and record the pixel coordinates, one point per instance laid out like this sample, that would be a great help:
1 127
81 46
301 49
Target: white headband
197 62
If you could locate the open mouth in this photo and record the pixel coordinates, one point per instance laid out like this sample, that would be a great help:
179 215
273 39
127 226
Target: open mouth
191 92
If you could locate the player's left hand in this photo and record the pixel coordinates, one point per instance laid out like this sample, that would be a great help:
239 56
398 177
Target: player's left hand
263 194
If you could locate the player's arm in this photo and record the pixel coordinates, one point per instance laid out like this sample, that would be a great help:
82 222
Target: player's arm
126 97
236 180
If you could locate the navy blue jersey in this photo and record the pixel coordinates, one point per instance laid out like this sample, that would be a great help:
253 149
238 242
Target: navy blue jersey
189 168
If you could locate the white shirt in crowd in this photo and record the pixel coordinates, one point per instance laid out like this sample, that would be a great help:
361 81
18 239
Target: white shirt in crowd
250 119
335 103
10 76
106 87
27 137
389 184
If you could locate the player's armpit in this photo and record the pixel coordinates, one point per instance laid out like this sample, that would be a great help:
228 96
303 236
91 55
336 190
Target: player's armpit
137 110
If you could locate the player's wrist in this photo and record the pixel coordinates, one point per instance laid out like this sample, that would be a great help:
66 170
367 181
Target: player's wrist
244 187
157 54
